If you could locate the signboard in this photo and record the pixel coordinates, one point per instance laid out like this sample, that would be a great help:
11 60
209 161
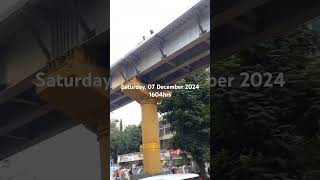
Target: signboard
176 152
130 157
164 155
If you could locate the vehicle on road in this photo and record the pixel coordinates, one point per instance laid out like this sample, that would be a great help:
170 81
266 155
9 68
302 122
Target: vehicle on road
187 176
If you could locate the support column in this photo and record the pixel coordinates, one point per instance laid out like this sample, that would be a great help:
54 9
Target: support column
150 124
103 139
150 136
85 105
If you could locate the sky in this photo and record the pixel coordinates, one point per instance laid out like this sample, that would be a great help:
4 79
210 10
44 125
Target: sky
129 21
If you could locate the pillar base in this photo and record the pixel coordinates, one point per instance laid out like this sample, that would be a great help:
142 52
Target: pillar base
104 141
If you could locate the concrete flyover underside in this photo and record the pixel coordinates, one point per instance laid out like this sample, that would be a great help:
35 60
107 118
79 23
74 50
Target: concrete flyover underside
35 36
178 50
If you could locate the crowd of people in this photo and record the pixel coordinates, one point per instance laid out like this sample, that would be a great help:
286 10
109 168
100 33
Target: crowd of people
127 174
181 169
122 174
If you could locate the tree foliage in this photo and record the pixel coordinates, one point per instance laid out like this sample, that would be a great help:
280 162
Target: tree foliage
125 141
187 111
263 133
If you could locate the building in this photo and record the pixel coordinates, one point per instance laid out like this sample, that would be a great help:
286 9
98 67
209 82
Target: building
165 134
168 155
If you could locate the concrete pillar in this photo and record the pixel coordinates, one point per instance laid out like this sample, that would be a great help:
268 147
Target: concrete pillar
150 125
150 136
86 105
104 140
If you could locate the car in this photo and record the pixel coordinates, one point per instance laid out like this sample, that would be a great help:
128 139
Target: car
186 176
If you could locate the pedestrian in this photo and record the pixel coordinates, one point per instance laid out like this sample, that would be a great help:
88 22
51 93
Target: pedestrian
116 175
173 171
130 174
184 169
179 170
121 174
126 174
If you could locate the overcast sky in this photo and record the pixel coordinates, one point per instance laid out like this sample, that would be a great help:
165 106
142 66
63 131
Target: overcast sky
130 20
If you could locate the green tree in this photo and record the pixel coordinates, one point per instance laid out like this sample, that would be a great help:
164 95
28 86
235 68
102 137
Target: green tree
115 136
187 111
263 133
126 141
133 138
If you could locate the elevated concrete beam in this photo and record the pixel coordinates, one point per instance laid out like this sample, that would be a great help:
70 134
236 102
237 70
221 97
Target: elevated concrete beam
182 43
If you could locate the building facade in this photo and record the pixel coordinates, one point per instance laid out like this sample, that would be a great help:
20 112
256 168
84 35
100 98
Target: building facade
165 134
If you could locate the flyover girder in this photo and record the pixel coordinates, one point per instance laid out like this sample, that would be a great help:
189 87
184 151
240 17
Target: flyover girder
178 50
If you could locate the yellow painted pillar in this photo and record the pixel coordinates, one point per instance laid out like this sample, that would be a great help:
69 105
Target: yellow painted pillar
150 136
86 105
104 141
150 124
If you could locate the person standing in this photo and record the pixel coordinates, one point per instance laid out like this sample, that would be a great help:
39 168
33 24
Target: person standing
173 171
130 174
184 169
121 174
